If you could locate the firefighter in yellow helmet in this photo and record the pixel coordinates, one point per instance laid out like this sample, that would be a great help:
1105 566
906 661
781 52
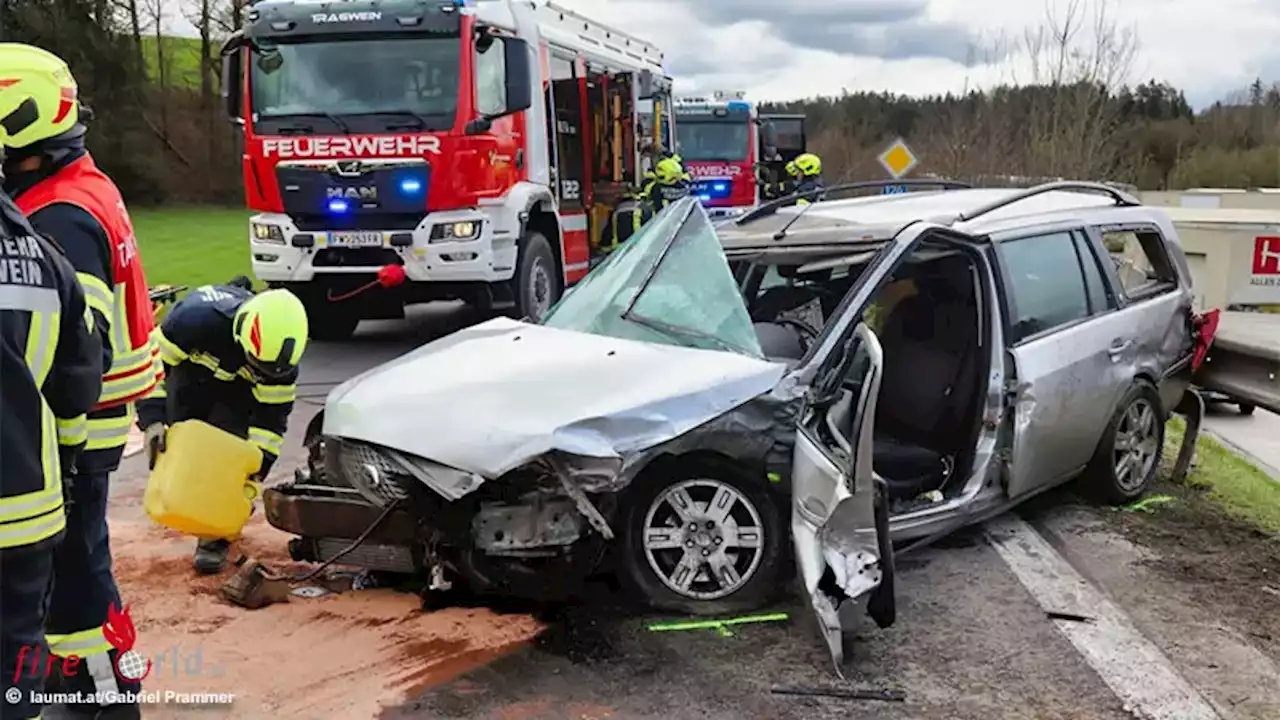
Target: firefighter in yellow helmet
804 175
232 361
667 182
51 375
54 181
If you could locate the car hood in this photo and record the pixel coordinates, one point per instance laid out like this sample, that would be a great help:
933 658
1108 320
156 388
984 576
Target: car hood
492 397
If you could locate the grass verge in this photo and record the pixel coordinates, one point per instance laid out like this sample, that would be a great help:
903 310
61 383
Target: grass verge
1229 481
193 246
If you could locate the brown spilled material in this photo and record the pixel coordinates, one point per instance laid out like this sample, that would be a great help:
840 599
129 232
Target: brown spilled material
339 656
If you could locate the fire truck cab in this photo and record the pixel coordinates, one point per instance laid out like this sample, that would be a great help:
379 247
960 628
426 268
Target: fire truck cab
478 145
722 140
731 149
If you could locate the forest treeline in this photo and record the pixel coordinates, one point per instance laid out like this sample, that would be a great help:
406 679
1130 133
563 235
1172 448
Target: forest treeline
158 126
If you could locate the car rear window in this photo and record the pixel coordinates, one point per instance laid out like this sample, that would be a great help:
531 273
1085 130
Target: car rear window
1141 263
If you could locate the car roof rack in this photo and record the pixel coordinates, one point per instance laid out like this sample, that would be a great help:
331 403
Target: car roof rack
1121 198
772 206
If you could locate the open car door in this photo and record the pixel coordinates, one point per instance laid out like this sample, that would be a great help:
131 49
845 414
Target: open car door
840 511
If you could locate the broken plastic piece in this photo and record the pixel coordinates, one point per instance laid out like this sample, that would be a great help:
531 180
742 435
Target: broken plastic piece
845 693
720 626
1069 617
254 586
1147 504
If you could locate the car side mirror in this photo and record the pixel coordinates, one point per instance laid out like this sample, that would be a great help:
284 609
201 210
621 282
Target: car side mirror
518 59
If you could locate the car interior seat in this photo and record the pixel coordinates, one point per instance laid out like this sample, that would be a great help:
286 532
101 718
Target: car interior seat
783 340
930 343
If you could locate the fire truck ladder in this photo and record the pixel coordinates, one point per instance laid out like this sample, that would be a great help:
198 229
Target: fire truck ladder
568 28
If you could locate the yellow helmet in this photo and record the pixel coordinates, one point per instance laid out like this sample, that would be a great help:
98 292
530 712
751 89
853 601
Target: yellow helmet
272 329
668 171
808 165
792 169
37 96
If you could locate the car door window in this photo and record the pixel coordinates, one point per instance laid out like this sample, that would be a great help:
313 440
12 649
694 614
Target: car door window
1141 263
1100 298
1046 285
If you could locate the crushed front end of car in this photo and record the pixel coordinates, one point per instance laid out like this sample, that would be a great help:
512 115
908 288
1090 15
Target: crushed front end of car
496 455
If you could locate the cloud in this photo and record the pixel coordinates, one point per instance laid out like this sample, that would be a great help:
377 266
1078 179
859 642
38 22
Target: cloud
789 49
889 29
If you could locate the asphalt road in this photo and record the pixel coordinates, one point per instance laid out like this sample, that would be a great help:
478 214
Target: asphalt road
1065 611
1257 435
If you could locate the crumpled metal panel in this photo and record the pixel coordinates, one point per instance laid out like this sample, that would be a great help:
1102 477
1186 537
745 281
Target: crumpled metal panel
491 398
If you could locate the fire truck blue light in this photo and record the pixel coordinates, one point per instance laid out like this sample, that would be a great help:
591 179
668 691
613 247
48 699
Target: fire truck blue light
410 186
338 206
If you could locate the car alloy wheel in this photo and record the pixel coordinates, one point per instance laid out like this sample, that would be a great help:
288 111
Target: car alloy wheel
703 538
1137 445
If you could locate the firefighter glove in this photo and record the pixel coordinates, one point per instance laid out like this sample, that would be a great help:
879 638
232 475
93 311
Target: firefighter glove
153 438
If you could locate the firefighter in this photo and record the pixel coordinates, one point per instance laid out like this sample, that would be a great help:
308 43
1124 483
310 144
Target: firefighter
804 174
667 182
52 375
231 360
54 180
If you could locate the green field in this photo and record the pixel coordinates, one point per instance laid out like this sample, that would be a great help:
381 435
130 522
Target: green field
1230 481
192 246
182 59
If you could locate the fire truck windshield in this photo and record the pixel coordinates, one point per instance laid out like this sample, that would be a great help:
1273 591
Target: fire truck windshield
368 85
713 139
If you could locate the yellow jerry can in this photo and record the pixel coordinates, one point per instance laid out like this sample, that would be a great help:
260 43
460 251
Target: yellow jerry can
200 485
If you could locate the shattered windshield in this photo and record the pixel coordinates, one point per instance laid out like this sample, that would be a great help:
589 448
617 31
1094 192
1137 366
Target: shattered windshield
670 283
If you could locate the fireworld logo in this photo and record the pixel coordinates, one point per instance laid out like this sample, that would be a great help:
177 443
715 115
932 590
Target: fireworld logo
130 665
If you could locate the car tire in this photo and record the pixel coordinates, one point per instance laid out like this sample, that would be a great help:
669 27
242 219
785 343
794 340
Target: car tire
537 280
1107 479
758 569
1247 408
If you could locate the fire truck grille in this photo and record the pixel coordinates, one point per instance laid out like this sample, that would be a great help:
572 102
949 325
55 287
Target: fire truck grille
368 469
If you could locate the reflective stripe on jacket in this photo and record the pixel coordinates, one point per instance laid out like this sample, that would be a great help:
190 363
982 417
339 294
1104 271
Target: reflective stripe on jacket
50 375
135 367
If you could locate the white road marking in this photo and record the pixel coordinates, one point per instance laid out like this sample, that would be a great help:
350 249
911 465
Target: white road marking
1130 664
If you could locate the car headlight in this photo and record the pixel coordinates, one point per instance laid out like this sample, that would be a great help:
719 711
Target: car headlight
464 230
265 233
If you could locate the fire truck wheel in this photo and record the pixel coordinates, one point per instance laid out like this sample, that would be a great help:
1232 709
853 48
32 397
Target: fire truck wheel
537 282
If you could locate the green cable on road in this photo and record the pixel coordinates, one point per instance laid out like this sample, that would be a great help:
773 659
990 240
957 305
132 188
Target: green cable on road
721 626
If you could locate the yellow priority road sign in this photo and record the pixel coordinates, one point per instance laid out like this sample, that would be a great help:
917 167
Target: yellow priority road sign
897 159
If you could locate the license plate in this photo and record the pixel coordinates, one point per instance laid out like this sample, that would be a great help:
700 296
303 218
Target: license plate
355 238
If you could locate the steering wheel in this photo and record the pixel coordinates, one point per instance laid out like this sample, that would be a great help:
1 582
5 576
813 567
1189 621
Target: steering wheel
807 333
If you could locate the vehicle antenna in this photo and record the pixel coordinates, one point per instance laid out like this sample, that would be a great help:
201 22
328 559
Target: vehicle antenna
783 232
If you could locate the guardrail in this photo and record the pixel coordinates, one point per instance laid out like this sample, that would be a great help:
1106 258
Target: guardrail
1244 360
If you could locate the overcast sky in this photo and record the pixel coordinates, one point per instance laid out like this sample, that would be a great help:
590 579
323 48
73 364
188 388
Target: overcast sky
786 49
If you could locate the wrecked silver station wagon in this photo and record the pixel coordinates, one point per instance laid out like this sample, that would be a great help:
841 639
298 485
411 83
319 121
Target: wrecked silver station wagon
844 376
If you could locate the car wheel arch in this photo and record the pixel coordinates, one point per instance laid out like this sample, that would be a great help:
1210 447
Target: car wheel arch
714 462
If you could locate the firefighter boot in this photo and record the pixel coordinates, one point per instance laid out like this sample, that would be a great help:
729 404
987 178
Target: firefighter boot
211 556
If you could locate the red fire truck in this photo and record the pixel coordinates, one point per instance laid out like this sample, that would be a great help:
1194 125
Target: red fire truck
402 151
729 148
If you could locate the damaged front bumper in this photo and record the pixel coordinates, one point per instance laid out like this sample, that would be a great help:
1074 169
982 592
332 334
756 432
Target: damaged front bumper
416 515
